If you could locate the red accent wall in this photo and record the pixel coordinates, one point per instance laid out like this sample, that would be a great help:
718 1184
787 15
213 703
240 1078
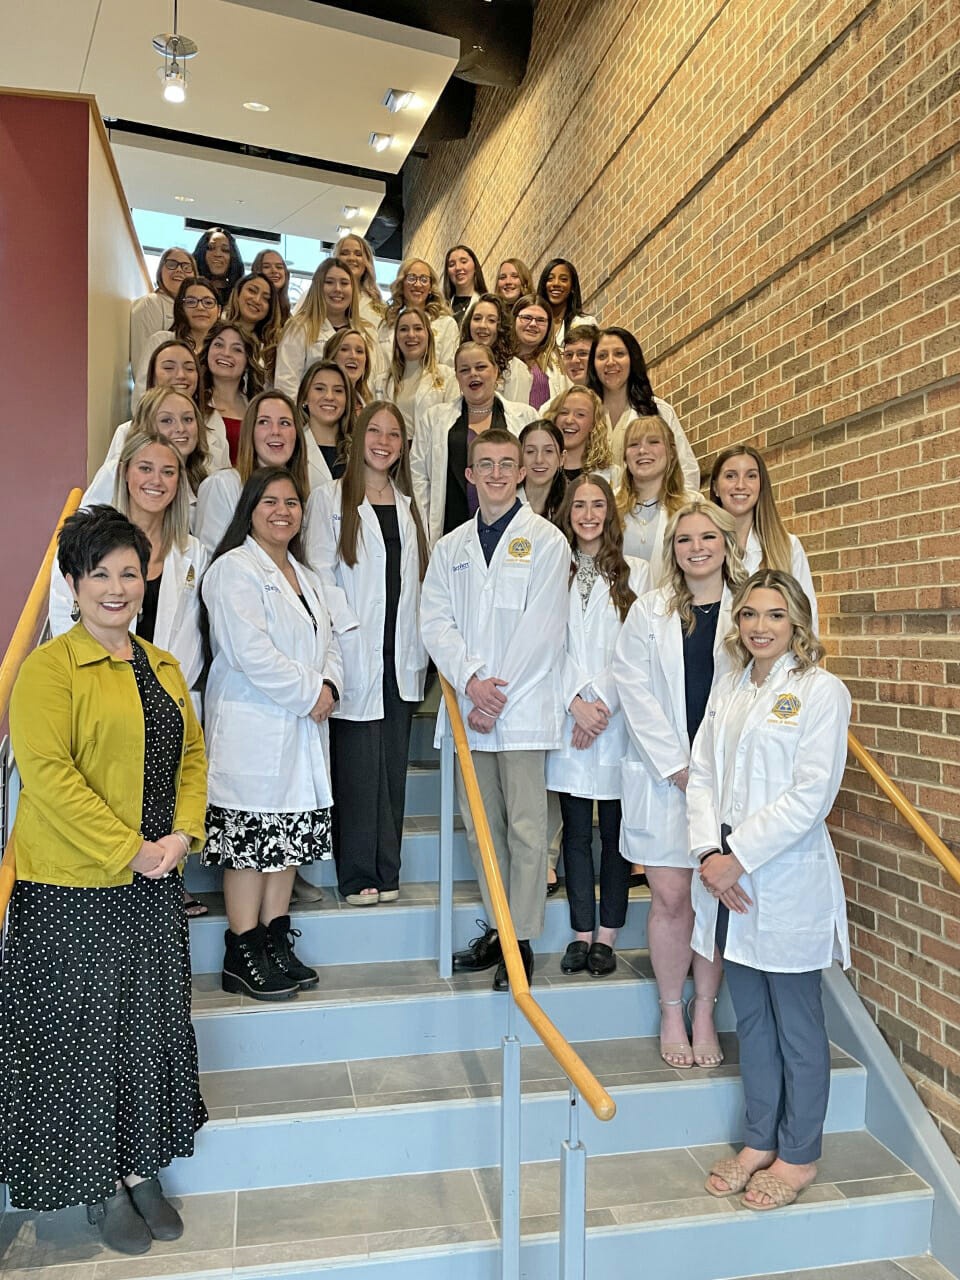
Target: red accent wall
43 330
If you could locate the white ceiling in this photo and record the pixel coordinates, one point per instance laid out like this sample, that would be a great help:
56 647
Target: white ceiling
242 190
322 71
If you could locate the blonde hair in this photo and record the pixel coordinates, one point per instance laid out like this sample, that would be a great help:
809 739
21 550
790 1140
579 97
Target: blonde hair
362 389
176 517
596 455
679 596
312 315
398 361
804 643
435 305
367 283
673 494
145 420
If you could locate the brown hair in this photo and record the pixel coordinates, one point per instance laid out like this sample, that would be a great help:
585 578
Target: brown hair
247 458
398 361
773 538
331 348
609 560
345 425
545 354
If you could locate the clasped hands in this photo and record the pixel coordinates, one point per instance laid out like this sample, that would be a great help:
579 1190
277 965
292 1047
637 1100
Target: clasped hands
719 874
157 858
487 701
590 720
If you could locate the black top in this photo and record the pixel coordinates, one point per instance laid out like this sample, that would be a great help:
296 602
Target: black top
335 463
303 600
459 304
490 534
163 746
460 503
147 622
390 531
698 664
571 473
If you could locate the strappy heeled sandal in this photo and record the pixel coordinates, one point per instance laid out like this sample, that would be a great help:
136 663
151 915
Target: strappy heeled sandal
678 1050
705 1048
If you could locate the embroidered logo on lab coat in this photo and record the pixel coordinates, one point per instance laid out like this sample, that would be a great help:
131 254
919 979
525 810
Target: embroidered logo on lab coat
519 549
786 707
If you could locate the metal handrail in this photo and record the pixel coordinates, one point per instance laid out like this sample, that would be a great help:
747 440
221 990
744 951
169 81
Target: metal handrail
21 642
949 861
570 1063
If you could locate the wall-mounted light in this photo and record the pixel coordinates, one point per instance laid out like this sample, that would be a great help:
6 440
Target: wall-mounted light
398 99
350 211
176 49
380 141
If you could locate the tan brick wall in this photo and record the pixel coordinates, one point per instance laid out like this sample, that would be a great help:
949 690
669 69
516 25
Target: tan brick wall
769 196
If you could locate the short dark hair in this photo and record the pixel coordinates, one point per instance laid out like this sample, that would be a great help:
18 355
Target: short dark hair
581 333
91 534
494 435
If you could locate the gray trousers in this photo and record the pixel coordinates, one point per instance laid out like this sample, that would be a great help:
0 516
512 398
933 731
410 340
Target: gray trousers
515 798
784 1056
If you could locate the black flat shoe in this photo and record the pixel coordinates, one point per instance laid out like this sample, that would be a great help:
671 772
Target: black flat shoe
552 888
121 1227
163 1221
481 953
501 982
637 879
575 957
601 959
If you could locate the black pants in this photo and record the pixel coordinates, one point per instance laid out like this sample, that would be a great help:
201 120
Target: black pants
578 864
369 774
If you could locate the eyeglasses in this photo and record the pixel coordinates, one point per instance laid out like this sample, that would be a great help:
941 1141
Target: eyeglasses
532 322
412 279
172 264
207 303
487 466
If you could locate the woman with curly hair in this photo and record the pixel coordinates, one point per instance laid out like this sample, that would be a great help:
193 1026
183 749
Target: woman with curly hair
490 321
416 285
585 427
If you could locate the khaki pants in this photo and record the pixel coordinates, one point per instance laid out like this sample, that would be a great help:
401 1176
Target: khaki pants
515 798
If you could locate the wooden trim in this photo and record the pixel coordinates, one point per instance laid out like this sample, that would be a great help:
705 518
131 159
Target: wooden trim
570 1063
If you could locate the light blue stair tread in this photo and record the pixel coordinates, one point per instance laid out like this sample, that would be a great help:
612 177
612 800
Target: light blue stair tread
445 1224
923 1267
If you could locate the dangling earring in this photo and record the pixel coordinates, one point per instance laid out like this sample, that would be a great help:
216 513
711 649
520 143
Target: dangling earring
75 611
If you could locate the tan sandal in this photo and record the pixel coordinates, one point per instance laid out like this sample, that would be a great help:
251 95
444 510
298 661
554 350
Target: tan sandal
734 1175
768 1184
678 1050
705 1048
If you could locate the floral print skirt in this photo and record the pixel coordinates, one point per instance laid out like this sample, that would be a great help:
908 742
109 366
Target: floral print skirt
244 841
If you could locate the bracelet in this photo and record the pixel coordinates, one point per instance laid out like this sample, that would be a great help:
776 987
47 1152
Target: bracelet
186 840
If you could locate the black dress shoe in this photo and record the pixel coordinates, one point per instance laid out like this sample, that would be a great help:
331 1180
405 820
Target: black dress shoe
481 953
600 959
122 1228
552 887
500 980
637 879
575 957
163 1221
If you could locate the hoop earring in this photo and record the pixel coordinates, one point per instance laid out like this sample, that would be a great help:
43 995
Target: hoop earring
75 611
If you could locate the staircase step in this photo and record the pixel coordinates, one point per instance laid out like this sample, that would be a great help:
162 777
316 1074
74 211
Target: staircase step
923 1267
403 930
443 1226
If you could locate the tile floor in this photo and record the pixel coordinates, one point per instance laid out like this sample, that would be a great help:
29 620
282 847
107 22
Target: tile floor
359 1219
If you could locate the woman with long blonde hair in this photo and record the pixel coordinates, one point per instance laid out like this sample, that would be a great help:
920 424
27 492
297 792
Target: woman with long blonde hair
580 418
329 304
650 491
668 656
352 351
357 254
416 285
415 381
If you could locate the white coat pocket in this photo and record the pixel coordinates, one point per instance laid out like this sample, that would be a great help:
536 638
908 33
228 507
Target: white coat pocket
355 673
512 587
793 895
247 732
655 808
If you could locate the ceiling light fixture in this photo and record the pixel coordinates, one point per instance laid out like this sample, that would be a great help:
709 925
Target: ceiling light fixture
350 211
184 199
256 106
176 49
398 99
343 231
380 141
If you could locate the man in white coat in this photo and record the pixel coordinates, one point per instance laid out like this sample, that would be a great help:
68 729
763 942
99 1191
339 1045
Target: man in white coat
493 617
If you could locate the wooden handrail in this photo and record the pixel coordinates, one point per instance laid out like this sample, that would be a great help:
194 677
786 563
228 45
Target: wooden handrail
570 1063
21 642
949 861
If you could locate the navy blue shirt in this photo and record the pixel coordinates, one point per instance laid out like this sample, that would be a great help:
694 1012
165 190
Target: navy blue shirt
698 664
490 534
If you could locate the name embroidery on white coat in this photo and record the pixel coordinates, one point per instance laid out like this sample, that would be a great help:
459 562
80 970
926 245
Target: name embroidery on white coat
786 707
268 586
458 568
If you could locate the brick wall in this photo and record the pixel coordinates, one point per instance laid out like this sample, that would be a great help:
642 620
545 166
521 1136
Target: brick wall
768 194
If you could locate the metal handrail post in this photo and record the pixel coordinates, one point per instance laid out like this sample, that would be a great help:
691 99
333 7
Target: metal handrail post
573 1199
445 903
510 1103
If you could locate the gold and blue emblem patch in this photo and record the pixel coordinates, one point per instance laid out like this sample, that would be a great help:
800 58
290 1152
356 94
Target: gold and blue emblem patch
519 548
786 707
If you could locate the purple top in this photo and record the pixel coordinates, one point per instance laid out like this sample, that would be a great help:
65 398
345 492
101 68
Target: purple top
540 388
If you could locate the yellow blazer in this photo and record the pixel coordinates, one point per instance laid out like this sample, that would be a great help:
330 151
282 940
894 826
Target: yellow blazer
76 723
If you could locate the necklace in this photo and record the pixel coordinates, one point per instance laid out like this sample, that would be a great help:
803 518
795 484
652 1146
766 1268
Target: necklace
378 492
645 513
480 410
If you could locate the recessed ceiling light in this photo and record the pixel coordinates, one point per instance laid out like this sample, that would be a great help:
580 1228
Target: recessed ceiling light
184 199
343 231
256 106
398 99
350 211
380 141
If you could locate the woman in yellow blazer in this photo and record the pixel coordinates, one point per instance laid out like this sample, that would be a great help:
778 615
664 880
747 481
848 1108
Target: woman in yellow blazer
98 1061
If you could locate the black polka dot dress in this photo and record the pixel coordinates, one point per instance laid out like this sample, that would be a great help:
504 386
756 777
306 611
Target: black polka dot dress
98 1060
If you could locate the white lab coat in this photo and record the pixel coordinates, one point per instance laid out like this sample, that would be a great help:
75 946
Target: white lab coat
364 586
427 394
799 567
687 458
218 450
265 754
521 382
295 355
148 315
593 773
428 457
178 607
649 674
446 339
514 384
217 500
791 754
506 619
561 330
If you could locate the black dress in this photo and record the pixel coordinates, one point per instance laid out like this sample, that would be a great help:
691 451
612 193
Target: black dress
98 1059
